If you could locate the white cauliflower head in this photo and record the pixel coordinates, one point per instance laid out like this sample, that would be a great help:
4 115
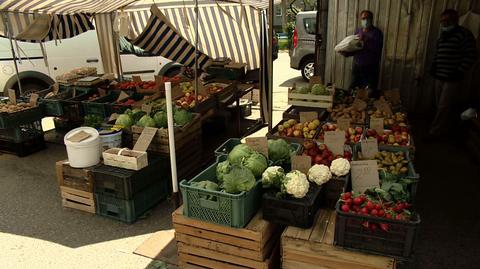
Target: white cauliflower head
319 174
340 167
296 184
273 177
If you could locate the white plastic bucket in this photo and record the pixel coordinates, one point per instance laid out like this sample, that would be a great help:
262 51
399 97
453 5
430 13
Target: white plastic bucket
110 139
84 153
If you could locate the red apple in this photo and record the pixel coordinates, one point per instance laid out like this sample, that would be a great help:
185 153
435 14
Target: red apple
359 130
318 159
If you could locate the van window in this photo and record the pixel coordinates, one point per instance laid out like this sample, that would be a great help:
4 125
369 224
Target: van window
128 48
310 25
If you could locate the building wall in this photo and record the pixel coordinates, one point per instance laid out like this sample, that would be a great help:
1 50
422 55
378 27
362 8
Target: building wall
410 29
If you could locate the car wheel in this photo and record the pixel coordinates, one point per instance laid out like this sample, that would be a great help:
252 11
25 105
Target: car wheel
308 69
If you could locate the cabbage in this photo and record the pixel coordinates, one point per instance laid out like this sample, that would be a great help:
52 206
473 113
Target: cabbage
182 117
128 111
146 121
239 153
279 151
137 114
222 169
257 163
302 89
319 89
208 185
160 119
238 179
124 120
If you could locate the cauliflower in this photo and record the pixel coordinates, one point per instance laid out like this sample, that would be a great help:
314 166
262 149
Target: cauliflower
319 174
273 177
295 184
340 167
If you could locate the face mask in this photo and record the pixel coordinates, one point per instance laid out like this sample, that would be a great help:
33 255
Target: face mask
447 28
365 23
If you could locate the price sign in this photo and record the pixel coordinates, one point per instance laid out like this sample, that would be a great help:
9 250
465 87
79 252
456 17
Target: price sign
308 116
33 99
377 125
259 144
335 141
12 96
136 79
113 117
79 136
145 139
122 96
301 163
343 123
147 108
369 148
364 175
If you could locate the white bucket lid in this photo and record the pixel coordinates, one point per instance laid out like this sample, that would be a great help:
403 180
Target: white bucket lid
94 137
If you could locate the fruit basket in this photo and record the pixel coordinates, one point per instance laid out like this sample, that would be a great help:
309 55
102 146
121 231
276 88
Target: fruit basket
294 131
234 210
311 97
376 230
290 211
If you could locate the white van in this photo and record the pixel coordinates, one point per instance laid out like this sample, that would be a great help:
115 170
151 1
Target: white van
79 51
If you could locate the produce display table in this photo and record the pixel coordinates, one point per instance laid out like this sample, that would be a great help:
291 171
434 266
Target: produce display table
313 248
208 245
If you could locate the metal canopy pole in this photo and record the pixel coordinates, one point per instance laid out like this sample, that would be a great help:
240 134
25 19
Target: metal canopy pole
14 56
196 53
270 63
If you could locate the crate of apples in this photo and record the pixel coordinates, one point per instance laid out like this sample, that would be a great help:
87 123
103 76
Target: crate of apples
320 154
352 135
293 128
188 101
390 137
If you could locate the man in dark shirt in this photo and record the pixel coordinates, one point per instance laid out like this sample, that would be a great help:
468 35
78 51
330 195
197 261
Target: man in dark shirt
454 56
366 62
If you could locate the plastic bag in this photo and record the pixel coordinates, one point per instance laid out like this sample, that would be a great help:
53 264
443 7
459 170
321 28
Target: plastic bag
350 43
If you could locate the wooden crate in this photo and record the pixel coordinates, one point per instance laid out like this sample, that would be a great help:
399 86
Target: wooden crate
77 199
310 100
75 178
313 248
183 135
209 245
125 158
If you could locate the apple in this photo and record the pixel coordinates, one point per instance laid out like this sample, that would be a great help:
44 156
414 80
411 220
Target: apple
297 133
318 159
322 147
359 130
312 151
357 138
308 144
398 138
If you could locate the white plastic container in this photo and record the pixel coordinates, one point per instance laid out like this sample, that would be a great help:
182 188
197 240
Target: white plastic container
85 153
110 139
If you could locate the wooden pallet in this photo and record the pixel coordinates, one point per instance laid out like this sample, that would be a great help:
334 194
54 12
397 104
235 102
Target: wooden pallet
313 248
77 199
209 245
75 178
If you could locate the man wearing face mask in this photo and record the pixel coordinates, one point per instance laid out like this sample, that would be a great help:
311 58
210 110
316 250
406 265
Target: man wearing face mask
455 54
366 62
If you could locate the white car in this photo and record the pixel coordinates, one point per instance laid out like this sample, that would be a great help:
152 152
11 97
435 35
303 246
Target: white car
82 50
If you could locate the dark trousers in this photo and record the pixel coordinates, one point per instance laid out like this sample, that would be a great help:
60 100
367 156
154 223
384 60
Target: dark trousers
366 75
446 101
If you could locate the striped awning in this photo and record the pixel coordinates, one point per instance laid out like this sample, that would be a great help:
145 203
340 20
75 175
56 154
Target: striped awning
61 26
225 29
63 6
160 37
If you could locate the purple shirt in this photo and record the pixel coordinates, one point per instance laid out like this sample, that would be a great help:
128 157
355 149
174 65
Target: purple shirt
372 47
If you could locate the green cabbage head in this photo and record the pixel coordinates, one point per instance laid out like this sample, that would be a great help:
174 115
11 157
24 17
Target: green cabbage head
182 117
124 120
239 153
257 163
238 179
160 119
146 121
279 151
222 169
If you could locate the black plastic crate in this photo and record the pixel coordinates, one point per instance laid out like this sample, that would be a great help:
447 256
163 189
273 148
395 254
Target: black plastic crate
129 210
24 148
290 211
397 242
124 183
293 112
23 132
333 189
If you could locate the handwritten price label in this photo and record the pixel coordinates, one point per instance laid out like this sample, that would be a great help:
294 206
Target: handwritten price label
301 163
259 144
369 148
364 175
377 125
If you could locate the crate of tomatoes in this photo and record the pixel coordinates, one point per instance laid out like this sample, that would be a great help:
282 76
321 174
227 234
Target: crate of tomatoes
381 220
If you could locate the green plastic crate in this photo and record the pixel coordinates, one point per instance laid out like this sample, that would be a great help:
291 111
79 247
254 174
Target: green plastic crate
22 132
100 106
129 210
233 210
10 120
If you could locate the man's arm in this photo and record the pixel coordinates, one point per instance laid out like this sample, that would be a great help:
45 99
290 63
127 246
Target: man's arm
469 53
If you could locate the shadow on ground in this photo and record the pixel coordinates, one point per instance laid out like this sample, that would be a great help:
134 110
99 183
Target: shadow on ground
31 206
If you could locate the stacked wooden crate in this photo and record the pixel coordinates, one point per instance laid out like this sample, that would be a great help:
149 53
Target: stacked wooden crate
76 186
207 245
313 248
